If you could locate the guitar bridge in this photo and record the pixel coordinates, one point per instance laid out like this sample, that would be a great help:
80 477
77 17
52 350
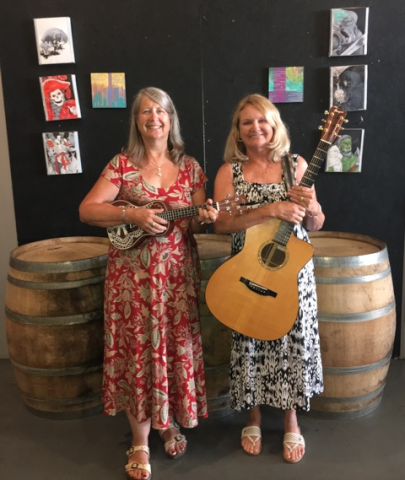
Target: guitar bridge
266 292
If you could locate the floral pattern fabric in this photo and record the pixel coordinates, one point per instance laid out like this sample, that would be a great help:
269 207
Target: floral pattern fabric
153 363
287 372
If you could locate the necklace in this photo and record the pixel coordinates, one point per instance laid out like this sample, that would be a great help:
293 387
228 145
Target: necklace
159 171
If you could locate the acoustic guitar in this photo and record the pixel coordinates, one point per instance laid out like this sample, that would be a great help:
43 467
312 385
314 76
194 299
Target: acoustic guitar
127 236
256 291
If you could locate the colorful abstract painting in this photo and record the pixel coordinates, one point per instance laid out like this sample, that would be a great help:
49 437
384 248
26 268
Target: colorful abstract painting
286 84
108 90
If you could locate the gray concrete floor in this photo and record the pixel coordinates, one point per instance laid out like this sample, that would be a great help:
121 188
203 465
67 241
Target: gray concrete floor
370 447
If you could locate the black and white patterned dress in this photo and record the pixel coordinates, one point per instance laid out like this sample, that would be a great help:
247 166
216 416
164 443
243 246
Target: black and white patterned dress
287 372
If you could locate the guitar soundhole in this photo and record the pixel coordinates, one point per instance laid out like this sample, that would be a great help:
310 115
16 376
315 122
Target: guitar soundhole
272 256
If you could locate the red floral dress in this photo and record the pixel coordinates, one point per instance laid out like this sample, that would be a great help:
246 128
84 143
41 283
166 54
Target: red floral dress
153 363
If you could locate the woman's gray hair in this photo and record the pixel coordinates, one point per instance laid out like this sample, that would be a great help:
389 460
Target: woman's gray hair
135 148
235 150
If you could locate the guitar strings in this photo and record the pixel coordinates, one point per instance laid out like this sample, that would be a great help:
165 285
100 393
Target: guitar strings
285 228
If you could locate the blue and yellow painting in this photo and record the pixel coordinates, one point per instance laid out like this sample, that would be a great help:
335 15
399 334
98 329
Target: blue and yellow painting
108 90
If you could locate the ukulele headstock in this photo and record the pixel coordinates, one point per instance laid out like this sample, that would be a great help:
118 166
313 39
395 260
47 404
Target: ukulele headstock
232 204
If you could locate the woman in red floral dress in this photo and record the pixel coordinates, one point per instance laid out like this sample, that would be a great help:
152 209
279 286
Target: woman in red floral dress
153 364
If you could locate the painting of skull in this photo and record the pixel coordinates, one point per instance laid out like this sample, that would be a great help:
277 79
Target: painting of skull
54 40
59 97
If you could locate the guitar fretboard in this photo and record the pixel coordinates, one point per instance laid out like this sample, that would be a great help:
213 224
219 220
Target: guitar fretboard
285 228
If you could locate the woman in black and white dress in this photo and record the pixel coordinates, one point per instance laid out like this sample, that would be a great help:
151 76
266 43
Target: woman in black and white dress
287 372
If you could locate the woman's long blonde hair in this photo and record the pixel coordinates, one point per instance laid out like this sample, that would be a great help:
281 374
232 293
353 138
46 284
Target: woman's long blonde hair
235 150
135 148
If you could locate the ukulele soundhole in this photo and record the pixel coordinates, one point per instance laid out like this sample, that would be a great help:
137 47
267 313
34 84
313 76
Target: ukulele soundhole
273 256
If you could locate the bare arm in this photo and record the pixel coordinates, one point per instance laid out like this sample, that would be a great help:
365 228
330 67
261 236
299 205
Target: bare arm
314 217
96 209
288 211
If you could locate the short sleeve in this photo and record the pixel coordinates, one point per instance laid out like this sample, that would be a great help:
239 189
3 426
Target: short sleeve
113 171
197 175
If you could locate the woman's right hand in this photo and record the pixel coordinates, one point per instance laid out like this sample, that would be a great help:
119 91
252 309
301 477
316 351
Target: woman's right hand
289 212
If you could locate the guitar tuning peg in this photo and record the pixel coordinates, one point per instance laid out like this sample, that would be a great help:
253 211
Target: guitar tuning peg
326 112
346 120
323 120
320 127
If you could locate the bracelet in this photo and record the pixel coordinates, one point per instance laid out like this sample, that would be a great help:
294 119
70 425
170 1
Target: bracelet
197 222
316 214
123 213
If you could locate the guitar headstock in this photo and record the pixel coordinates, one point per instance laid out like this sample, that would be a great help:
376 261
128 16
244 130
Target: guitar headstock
232 204
333 124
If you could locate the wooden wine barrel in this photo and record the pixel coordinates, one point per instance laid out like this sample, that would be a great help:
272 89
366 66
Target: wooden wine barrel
357 321
216 337
54 324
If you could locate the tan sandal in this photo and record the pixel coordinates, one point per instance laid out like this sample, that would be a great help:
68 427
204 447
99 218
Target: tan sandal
131 466
173 441
296 440
251 432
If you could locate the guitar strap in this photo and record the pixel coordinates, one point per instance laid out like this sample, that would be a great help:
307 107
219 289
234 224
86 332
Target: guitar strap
289 163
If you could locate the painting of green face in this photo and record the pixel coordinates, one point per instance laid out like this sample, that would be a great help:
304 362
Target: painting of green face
346 146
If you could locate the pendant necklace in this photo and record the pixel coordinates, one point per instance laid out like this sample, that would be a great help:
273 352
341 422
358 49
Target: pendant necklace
159 171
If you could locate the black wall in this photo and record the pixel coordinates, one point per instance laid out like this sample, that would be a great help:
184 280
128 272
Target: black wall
207 55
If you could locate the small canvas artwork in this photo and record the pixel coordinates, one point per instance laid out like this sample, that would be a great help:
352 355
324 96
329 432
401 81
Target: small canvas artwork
62 153
346 152
108 90
286 84
54 40
348 31
59 97
348 87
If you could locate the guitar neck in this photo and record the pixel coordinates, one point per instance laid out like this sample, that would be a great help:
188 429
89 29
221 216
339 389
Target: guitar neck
315 164
285 229
185 212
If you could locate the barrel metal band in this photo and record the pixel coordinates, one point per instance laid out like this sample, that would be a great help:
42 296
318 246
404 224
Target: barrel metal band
356 317
58 372
55 285
63 401
357 369
53 321
355 261
358 398
350 280
58 267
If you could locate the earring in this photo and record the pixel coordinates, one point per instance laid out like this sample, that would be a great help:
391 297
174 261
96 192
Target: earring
238 138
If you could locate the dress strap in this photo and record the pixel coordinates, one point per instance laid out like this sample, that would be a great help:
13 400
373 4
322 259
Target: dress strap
237 174
289 163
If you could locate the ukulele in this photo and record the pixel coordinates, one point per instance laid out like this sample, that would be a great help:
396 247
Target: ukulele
256 291
127 236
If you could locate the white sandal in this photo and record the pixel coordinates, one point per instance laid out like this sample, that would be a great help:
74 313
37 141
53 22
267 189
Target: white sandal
250 432
296 440
131 466
173 441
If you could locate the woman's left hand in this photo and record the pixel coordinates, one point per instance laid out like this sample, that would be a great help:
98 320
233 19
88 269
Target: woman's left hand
303 196
206 216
